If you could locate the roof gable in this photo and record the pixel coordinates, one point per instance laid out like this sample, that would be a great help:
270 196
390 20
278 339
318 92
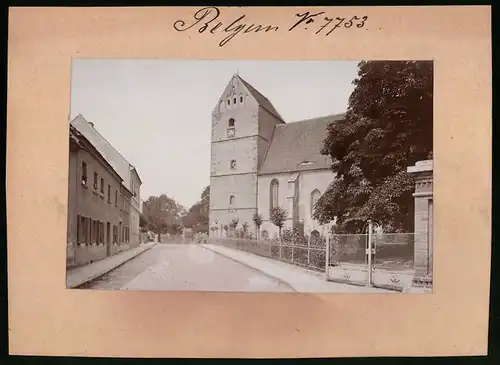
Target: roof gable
261 99
297 146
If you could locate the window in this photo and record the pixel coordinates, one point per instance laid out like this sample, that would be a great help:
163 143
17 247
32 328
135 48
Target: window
315 195
231 123
234 100
95 180
228 102
232 165
109 193
116 197
241 99
101 232
115 238
274 194
102 186
82 230
84 173
231 200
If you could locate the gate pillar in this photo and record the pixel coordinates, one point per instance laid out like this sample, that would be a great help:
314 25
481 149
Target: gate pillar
424 215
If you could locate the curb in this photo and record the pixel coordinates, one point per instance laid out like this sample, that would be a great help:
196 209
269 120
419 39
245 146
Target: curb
251 267
104 272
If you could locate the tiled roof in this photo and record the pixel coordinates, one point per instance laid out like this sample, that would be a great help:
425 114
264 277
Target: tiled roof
261 99
114 158
296 146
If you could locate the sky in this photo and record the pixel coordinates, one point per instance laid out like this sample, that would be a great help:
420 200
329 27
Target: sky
157 113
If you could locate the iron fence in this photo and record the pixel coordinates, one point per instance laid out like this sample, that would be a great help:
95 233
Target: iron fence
308 254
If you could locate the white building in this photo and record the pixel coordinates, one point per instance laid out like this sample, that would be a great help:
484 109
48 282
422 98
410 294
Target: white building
258 162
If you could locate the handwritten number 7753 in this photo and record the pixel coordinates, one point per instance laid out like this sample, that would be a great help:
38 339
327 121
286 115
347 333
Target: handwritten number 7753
308 18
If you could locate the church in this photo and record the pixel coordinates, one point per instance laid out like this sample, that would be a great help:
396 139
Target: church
259 161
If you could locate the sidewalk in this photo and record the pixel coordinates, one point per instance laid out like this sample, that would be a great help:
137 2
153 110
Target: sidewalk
83 274
300 279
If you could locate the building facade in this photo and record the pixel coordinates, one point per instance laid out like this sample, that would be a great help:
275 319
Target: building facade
135 206
127 172
95 204
259 162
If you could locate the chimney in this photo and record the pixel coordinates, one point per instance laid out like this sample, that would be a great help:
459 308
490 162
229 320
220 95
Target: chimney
91 124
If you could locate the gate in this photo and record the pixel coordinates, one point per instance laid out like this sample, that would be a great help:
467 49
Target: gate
347 259
383 260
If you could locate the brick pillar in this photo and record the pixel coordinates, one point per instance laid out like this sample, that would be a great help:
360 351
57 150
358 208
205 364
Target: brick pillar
424 206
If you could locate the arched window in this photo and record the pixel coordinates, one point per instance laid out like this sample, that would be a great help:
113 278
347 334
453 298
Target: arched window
241 98
315 195
232 165
231 123
274 203
228 102
231 200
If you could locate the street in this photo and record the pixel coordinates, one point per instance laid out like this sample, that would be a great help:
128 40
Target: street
186 267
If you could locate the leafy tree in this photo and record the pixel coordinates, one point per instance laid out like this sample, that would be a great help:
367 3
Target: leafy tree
387 127
163 212
244 226
278 217
257 220
196 217
234 223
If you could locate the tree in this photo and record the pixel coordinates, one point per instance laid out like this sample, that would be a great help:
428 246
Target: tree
387 127
163 212
245 228
257 220
234 223
278 217
196 217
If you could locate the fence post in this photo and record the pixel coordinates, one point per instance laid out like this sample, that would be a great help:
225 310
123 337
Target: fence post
309 251
369 253
327 258
280 246
292 250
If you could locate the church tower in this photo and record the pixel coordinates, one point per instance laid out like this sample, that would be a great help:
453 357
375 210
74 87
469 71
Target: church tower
242 126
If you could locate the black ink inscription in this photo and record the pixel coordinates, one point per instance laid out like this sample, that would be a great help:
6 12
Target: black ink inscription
205 18
330 24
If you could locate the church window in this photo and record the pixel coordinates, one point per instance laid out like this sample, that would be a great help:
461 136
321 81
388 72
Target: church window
234 100
231 200
274 194
231 123
228 101
315 195
233 164
241 99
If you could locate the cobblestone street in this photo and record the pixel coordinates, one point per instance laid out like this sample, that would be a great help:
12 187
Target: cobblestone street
186 267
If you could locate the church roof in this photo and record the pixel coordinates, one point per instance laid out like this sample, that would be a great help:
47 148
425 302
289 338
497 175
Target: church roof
296 146
261 99
106 149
